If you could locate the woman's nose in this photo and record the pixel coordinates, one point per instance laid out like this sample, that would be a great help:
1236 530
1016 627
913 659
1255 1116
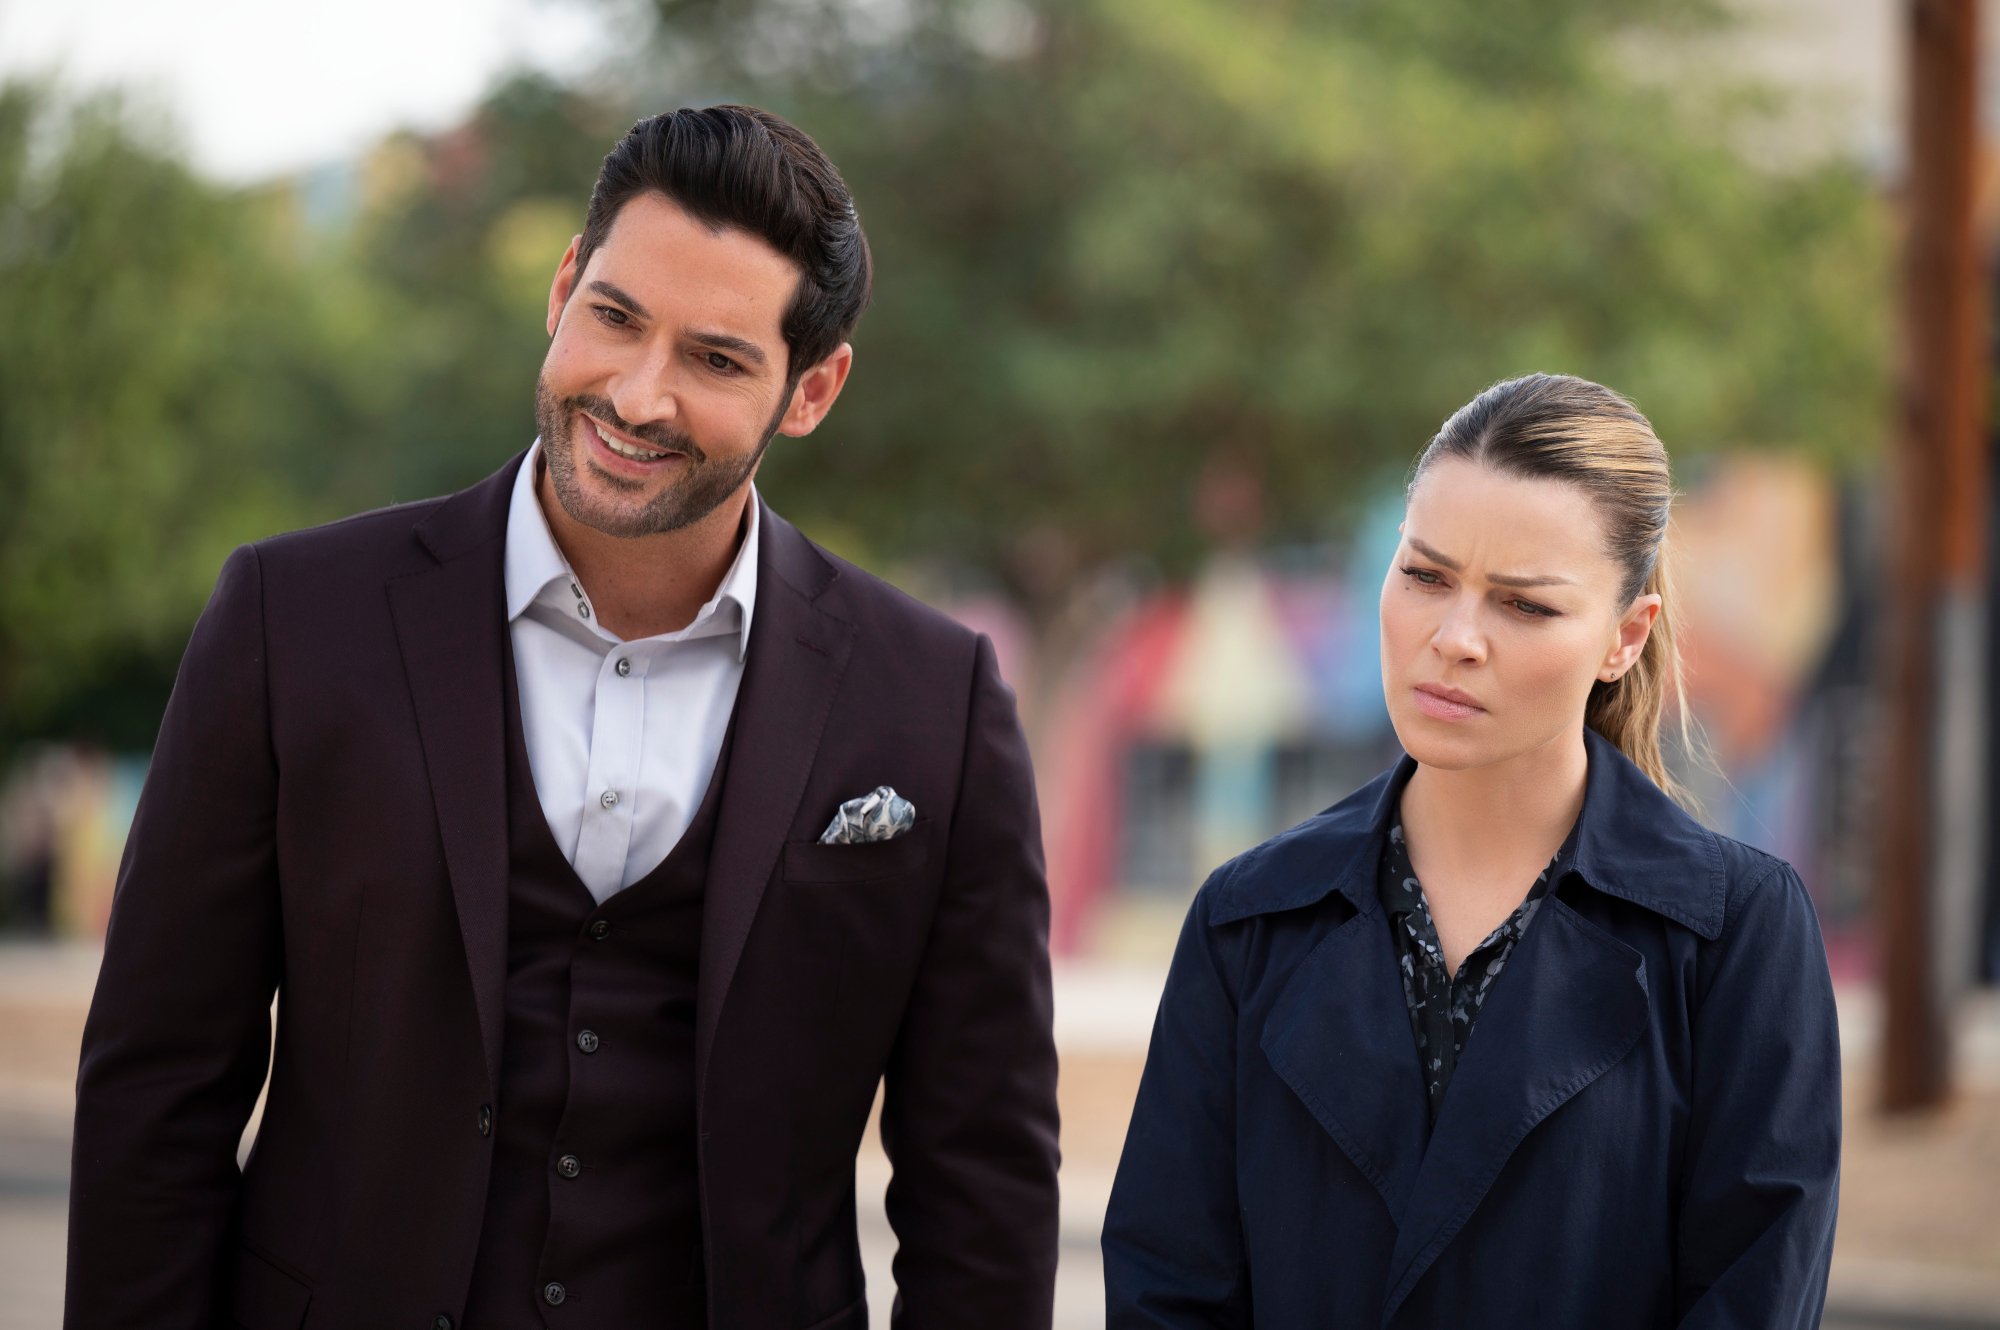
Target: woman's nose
1458 636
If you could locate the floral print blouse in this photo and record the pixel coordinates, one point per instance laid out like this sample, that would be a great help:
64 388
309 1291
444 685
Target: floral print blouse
1443 1006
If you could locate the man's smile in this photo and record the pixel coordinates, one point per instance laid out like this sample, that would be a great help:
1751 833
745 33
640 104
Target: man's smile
607 442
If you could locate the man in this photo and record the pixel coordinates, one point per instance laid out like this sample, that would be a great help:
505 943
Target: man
528 805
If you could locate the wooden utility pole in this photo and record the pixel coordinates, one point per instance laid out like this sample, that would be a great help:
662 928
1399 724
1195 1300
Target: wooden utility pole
1934 610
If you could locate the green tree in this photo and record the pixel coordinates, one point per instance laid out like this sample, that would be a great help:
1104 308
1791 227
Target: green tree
1128 246
155 366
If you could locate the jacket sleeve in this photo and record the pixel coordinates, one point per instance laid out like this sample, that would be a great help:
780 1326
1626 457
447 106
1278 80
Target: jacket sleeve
1761 1176
1173 1233
969 1105
178 1038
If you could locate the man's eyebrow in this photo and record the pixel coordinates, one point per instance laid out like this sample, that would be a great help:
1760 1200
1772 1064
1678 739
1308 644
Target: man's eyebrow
620 295
737 346
740 347
1498 579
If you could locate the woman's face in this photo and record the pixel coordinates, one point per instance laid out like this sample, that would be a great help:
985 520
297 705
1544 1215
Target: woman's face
1499 612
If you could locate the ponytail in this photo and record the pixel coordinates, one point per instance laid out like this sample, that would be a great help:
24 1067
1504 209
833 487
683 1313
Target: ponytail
1630 710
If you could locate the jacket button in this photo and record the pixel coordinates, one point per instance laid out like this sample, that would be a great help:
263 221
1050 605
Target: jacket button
601 929
587 1041
553 1293
441 1323
485 1127
569 1166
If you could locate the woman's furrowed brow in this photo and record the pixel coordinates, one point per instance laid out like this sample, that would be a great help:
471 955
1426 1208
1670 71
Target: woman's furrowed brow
1498 579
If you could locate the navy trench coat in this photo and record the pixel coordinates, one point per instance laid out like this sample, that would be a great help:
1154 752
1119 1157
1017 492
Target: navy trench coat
1643 1130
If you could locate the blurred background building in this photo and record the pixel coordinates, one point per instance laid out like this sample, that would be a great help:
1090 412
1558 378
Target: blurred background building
1169 295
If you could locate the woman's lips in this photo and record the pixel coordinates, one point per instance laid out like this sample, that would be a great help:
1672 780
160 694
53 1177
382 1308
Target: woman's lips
1444 708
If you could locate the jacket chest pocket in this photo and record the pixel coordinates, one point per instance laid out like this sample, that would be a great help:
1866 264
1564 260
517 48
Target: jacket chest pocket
811 863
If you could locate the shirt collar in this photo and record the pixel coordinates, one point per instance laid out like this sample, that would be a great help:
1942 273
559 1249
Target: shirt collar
536 569
1631 840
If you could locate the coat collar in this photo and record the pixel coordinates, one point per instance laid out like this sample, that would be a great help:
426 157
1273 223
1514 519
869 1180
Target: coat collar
799 650
1633 842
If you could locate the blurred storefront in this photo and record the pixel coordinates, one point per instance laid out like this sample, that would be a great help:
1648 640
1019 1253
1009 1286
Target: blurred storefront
1209 716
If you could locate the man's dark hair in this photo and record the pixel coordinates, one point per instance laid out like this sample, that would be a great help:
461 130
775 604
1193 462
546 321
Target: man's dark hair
737 166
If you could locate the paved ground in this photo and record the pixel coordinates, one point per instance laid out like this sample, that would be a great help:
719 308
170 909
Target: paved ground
1919 1245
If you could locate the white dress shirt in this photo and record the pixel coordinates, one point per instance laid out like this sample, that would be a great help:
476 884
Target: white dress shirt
622 736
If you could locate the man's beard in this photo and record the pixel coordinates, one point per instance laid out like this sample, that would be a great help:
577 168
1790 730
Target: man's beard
700 490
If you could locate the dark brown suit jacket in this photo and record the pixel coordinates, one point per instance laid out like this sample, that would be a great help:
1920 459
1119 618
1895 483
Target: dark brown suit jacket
325 820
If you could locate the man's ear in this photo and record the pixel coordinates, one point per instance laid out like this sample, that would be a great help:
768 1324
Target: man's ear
564 283
815 392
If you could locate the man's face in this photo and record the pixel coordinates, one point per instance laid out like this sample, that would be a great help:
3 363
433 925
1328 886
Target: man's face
666 374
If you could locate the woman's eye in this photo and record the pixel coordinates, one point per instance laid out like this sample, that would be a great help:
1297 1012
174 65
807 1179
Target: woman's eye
1534 611
1424 576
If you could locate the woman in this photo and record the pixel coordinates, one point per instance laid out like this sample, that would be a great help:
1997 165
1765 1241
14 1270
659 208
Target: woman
1505 1038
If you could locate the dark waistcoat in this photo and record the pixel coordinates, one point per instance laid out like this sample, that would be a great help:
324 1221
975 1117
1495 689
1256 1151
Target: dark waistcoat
593 1216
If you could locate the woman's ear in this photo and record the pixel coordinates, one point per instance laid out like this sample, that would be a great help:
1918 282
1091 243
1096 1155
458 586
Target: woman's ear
1633 630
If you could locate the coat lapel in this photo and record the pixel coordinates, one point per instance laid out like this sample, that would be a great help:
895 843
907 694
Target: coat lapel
451 625
797 655
1339 1036
1570 1004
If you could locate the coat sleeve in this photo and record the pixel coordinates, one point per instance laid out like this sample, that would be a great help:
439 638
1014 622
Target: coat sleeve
1173 1233
1761 1176
177 1042
969 1117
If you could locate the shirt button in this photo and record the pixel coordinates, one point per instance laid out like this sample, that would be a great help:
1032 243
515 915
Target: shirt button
486 1119
569 1166
584 610
587 1041
624 666
608 799
553 1293
601 929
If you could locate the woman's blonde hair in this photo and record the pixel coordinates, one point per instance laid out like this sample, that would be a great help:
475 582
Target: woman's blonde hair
1555 427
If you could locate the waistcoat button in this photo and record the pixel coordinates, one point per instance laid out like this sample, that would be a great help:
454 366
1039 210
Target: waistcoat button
553 1293
587 1041
569 1166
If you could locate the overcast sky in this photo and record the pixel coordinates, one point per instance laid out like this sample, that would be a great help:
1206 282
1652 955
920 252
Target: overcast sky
259 88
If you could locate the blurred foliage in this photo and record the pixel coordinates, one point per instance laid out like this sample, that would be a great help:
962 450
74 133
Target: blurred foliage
1131 255
151 343
1155 245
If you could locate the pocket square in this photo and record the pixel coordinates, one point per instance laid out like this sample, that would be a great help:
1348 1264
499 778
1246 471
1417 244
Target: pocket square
881 814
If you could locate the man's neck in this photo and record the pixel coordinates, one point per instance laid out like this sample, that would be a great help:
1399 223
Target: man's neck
646 585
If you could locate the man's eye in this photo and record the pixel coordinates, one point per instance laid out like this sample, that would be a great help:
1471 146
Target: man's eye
612 315
718 361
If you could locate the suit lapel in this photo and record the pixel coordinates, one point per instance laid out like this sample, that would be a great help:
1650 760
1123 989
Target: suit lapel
451 625
1339 1036
1570 1005
797 655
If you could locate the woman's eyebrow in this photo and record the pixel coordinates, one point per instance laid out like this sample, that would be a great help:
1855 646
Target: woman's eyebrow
1498 579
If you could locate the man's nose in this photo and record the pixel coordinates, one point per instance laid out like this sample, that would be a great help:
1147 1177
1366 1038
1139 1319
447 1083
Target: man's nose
647 392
